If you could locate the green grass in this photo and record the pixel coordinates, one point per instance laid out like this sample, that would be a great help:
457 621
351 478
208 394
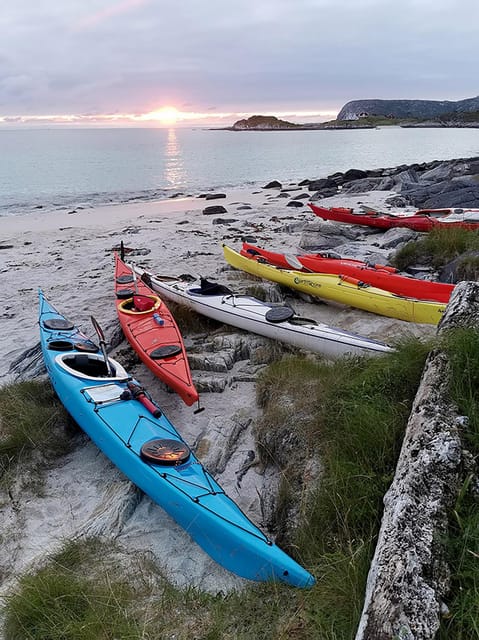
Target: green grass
440 246
350 415
61 602
462 347
353 414
32 422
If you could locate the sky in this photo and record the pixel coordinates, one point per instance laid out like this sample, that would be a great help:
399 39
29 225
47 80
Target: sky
165 62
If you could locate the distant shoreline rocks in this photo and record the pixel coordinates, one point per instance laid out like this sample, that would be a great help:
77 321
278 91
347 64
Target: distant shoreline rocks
428 185
370 114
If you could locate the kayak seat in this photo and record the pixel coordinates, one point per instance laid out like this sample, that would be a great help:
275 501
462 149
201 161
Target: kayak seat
208 288
139 304
88 366
166 351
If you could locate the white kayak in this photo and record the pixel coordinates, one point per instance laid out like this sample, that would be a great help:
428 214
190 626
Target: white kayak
276 322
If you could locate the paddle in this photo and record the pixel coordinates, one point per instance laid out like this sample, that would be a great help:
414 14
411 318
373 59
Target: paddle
295 263
141 302
102 340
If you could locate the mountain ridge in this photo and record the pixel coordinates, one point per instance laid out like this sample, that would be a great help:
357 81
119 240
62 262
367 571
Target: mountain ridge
356 109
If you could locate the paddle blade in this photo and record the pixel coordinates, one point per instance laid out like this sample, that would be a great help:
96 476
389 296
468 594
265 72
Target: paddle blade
97 328
102 341
293 261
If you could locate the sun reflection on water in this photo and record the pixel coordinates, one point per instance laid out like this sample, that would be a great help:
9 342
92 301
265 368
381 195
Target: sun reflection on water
175 173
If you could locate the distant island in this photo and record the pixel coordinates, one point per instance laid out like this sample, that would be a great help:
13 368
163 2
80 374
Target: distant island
369 114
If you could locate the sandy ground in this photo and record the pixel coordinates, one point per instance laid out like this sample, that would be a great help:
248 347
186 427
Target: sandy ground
69 256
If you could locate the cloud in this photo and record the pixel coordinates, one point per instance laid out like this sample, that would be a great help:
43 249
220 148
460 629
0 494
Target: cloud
249 56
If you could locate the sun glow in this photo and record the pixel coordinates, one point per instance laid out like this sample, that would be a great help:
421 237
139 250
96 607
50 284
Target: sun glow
165 115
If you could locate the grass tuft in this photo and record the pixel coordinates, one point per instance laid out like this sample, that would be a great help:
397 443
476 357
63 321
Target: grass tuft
30 422
60 602
438 247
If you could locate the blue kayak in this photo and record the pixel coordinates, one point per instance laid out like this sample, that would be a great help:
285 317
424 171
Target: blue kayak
122 420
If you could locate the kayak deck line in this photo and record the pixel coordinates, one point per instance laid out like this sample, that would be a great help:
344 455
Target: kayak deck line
177 482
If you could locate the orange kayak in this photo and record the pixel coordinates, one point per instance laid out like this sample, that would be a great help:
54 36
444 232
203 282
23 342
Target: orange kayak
152 332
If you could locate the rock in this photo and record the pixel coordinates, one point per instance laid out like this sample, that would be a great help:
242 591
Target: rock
295 203
224 220
464 267
360 186
393 238
302 196
327 192
215 196
323 183
354 174
214 210
273 185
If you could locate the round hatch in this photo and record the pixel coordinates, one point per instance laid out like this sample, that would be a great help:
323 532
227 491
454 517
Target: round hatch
165 451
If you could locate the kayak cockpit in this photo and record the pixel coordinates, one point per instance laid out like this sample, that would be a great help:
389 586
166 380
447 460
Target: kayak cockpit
90 366
208 288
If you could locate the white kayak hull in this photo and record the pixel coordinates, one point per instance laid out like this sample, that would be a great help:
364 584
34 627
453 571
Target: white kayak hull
250 314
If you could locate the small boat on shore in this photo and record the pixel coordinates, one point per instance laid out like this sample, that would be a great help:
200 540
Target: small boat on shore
131 430
343 289
423 220
250 314
378 275
152 331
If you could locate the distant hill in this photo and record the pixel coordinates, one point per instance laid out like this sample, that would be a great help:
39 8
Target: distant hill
415 109
262 123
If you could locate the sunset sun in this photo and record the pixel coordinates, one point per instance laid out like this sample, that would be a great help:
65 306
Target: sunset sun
165 115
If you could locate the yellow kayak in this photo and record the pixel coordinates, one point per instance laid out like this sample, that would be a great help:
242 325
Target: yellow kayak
346 290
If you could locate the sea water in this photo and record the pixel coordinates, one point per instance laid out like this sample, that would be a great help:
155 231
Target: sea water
67 168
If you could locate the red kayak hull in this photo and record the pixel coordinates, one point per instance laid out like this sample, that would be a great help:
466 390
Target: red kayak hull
160 347
420 221
377 275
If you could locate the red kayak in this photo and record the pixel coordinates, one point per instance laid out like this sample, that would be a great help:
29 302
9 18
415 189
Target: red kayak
422 220
377 275
152 332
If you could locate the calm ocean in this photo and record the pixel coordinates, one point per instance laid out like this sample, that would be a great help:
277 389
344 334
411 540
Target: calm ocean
60 168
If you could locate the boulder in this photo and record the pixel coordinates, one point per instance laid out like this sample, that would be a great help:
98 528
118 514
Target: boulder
274 184
323 183
215 196
295 203
214 210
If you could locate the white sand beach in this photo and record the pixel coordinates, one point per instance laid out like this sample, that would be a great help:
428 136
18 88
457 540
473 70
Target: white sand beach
69 256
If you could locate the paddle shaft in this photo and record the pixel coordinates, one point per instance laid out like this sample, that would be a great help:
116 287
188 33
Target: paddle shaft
102 341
